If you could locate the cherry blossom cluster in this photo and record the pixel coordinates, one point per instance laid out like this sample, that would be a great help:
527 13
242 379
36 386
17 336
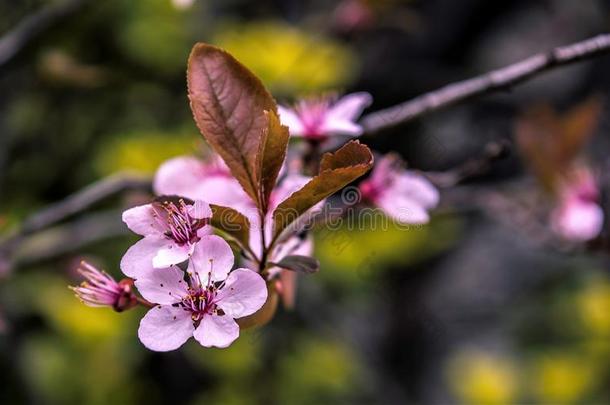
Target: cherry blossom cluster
185 273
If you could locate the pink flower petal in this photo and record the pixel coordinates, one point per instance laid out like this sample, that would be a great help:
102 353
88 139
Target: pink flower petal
165 328
341 126
206 230
138 260
382 170
212 257
578 220
417 187
141 220
403 210
243 294
350 106
163 286
288 186
179 176
223 190
171 253
289 118
218 331
200 210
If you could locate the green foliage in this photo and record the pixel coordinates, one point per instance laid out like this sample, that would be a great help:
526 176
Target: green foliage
318 371
156 35
357 252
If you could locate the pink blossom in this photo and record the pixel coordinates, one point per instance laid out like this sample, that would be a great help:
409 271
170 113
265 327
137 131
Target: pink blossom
402 194
212 182
196 179
578 216
204 304
101 290
170 229
317 119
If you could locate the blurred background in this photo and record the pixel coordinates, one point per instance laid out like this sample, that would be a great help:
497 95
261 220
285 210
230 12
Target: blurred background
475 308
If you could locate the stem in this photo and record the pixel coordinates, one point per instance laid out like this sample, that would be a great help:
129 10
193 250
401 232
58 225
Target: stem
263 262
145 303
489 82
253 257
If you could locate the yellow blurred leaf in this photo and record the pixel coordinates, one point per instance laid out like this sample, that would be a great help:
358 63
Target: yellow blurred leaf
562 378
288 60
482 378
142 151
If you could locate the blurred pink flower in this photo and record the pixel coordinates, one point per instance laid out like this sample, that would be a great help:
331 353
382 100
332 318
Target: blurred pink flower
101 290
205 305
352 15
170 229
578 216
196 179
317 119
402 194
211 181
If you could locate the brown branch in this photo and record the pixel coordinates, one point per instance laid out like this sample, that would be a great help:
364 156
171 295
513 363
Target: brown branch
33 25
74 204
66 238
487 83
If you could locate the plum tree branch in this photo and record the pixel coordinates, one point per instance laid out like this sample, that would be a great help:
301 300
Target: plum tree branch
489 82
74 204
33 25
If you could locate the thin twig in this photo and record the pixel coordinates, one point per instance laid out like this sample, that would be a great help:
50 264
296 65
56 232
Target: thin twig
33 25
84 199
487 83
75 204
67 238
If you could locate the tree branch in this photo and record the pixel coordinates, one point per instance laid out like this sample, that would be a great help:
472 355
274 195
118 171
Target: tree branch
74 204
33 25
67 238
487 83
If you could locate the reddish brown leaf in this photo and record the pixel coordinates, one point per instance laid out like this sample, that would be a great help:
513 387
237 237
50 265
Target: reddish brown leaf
336 171
274 153
550 143
577 128
228 103
299 264
231 222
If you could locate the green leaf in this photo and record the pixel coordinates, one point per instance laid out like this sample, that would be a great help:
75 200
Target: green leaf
300 264
336 171
231 222
274 153
229 103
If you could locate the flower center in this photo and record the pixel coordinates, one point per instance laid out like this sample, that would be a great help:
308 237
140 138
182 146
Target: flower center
200 301
181 227
369 190
312 114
